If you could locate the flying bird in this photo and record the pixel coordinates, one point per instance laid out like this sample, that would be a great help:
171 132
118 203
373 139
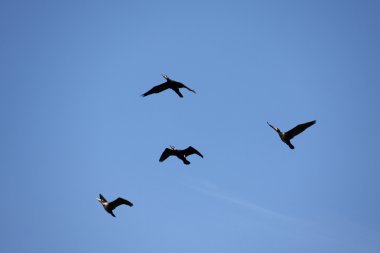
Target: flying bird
169 84
287 136
181 154
110 206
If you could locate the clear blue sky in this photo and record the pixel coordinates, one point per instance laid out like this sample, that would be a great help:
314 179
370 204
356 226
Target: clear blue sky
73 125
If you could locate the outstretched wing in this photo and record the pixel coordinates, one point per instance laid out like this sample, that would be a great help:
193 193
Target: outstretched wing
181 85
190 150
178 92
156 89
167 152
102 198
299 129
184 86
119 201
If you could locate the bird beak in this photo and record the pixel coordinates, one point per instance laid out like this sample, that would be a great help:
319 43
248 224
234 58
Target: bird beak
275 128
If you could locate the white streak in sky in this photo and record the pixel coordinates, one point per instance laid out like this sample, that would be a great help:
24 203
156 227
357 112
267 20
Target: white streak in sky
213 190
344 234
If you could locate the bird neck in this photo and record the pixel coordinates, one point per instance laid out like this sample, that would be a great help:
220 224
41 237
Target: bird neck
104 203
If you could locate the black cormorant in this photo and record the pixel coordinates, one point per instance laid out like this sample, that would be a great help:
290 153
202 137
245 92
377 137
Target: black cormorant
287 136
169 84
109 206
181 154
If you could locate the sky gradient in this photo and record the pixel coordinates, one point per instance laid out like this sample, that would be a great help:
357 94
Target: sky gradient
74 124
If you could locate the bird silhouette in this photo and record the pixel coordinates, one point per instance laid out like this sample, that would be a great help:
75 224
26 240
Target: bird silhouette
169 84
287 136
110 206
181 154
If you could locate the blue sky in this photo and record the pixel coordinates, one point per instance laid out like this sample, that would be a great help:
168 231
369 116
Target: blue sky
73 125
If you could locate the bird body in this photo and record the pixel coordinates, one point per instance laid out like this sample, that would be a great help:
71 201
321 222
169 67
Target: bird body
169 84
110 206
181 154
287 136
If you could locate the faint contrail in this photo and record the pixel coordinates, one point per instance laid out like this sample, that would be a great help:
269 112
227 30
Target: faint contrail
213 190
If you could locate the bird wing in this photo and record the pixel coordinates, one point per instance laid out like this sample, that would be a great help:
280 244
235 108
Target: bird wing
167 152
178 92
299 129
156 89
181 85
119 201
102 198
190 150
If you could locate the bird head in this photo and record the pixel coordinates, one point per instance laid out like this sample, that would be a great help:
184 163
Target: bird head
172 147
101 199
166 77
275 128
